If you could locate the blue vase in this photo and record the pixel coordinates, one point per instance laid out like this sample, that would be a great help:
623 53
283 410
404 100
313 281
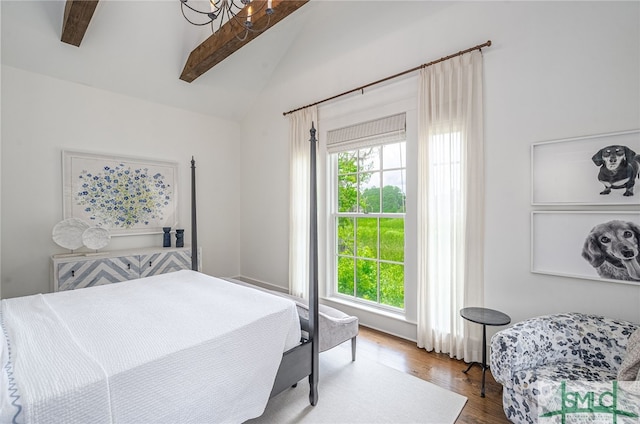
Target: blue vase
166 241
179 238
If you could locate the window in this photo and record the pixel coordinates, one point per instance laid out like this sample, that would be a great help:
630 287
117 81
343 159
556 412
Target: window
368 222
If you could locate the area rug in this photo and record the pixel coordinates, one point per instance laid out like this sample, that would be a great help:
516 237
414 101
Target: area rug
363 391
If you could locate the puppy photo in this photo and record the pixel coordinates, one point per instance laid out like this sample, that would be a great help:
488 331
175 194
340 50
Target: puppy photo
619 168
613 249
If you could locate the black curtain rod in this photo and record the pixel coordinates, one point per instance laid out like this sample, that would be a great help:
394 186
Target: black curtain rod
361 88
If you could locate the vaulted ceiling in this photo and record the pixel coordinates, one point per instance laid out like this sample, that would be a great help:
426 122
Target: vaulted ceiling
229 37
141 49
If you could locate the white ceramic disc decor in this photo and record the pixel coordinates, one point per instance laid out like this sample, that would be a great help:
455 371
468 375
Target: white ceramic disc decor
95 238
68 233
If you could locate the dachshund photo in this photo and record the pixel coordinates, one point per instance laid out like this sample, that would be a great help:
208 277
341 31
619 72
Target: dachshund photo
619 168
613 249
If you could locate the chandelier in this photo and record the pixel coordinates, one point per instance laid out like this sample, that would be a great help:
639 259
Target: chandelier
241 13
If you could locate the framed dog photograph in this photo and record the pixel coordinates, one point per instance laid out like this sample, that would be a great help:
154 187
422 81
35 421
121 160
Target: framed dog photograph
595 170
596 245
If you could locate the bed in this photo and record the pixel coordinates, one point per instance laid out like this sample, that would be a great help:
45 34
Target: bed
174 348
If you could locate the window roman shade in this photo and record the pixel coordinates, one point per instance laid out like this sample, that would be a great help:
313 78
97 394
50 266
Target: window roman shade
371 133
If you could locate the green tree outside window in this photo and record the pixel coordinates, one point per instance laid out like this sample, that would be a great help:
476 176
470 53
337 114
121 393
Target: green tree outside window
370 225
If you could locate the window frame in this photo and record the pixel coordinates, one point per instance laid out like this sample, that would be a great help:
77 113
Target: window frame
335 215
397 97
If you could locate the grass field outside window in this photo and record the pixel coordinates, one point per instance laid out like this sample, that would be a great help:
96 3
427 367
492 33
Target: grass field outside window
369 224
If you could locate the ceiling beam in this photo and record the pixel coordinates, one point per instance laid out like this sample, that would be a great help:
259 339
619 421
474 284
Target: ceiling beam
77 15
229 38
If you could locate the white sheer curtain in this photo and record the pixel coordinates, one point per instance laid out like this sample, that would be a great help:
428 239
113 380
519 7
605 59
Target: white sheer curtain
450 205
299 126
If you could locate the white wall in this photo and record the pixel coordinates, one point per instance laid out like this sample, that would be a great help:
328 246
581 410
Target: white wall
555 70
0 177
41 116
0 172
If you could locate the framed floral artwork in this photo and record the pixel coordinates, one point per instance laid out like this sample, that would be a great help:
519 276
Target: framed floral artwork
123 195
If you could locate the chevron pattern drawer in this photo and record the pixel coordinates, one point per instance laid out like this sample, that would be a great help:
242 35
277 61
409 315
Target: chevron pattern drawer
161 263
76 275
75 272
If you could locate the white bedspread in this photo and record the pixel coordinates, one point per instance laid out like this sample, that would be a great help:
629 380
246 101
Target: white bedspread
176 348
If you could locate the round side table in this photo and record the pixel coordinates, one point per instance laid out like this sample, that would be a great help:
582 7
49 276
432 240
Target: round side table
485 317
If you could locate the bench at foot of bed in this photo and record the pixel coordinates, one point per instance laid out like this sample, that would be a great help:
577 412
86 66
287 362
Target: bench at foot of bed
335 326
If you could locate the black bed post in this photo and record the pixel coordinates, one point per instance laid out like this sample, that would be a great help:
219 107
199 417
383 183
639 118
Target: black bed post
313 274
194 230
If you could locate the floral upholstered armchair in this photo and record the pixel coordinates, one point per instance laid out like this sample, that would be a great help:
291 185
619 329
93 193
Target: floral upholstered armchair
555 348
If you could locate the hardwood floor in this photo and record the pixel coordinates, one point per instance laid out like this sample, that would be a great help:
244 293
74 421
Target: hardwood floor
439 369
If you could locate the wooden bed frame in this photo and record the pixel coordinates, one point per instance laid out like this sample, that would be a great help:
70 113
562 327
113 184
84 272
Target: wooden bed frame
302 360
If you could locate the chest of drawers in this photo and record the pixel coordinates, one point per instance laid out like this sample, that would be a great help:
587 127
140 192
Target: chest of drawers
74 272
